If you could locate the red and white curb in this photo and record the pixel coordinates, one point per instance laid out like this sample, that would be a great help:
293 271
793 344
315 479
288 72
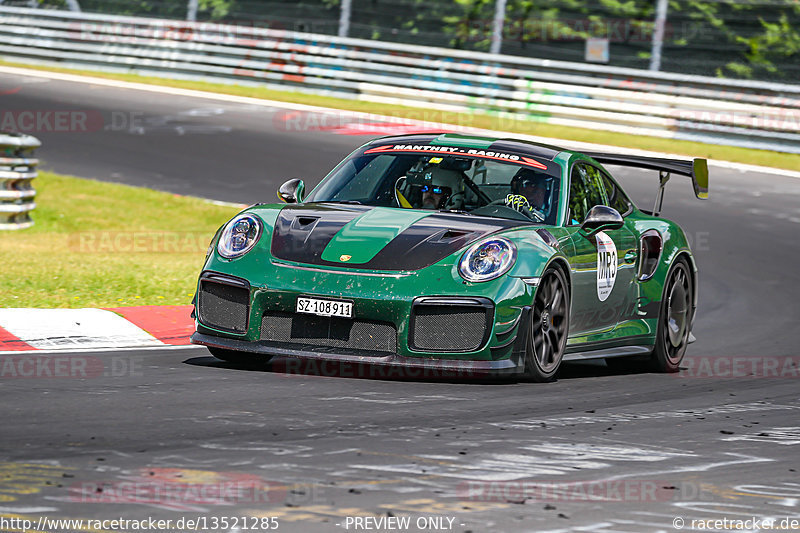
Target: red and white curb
61 330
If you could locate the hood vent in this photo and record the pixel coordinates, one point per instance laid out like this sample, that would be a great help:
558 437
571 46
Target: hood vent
451 235
304 223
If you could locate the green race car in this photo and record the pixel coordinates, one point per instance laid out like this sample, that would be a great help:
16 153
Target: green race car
458 253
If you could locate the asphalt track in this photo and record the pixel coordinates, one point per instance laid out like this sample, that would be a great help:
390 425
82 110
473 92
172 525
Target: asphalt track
173 433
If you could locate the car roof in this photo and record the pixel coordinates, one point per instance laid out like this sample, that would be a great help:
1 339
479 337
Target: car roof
544 151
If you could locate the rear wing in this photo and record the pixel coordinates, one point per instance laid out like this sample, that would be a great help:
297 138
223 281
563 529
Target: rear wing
697 169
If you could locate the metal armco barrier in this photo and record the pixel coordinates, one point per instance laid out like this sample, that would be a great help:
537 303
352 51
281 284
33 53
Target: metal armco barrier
640 102
17 170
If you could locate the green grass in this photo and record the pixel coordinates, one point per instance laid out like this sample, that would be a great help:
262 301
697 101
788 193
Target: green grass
530 127
99 244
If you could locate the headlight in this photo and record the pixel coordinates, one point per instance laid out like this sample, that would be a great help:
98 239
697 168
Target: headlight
487 260
239 236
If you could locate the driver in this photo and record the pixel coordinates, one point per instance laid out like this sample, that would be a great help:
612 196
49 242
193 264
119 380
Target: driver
533 186
434 196
441 188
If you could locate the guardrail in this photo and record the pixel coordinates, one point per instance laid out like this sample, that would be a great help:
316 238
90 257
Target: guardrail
697 108
17 170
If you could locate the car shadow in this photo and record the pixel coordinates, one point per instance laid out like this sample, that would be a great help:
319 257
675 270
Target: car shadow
286 366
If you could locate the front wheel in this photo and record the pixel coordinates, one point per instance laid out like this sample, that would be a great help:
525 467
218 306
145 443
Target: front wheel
239 358
548 327
675 319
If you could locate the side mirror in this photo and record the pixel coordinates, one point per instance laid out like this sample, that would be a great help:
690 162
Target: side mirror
601 218
292 191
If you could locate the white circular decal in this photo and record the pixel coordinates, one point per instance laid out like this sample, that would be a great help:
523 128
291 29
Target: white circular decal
606 265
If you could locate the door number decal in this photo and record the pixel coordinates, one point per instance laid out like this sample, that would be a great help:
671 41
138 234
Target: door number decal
606 265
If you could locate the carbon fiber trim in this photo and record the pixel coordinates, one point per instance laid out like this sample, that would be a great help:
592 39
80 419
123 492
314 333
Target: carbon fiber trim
467 367
342 333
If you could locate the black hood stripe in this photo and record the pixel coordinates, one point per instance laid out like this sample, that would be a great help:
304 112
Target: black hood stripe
433 238
302 232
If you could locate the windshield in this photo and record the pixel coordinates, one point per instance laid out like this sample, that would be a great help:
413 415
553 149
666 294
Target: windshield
475 185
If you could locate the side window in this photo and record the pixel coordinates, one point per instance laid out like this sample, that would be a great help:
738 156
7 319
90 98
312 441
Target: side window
585 192
616 198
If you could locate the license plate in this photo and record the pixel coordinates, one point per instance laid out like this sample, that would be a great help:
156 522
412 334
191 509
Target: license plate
320 307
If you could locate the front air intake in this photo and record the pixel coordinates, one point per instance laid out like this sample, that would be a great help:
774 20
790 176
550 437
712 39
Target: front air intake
450 324
223 303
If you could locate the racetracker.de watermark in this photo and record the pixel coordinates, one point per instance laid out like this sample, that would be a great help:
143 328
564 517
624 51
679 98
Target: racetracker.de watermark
246 32
731 366
35 121
51 121
616 30
752 523
433 370
181 489
138 242
407 121
602 490
67 366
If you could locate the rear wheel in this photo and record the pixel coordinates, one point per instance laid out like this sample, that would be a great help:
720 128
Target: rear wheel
675 319
549 325
239 358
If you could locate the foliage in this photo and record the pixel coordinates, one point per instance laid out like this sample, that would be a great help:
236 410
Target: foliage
738 38
751 38
217 9
759 35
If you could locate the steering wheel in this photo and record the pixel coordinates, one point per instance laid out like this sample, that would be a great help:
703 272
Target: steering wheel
525 208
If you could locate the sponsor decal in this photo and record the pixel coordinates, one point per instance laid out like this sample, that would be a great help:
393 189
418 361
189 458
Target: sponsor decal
606 265
470 152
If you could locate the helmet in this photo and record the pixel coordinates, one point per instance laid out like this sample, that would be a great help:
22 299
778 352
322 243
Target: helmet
527 178
448 182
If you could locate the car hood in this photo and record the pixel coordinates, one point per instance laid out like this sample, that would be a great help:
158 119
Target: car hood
376 238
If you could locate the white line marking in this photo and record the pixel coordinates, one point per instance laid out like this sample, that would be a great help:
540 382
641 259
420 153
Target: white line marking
788 436
106 350
705 467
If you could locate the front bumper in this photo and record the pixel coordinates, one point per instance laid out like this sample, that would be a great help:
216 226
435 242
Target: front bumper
460 367
392 298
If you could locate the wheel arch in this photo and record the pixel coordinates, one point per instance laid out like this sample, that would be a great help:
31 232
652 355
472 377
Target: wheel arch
562 264
687 255
532 365
675 246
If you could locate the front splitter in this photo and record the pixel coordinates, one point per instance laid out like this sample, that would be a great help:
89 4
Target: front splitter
458 366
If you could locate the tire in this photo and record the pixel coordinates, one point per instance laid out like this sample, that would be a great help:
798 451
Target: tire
548 327
674 319
239 358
